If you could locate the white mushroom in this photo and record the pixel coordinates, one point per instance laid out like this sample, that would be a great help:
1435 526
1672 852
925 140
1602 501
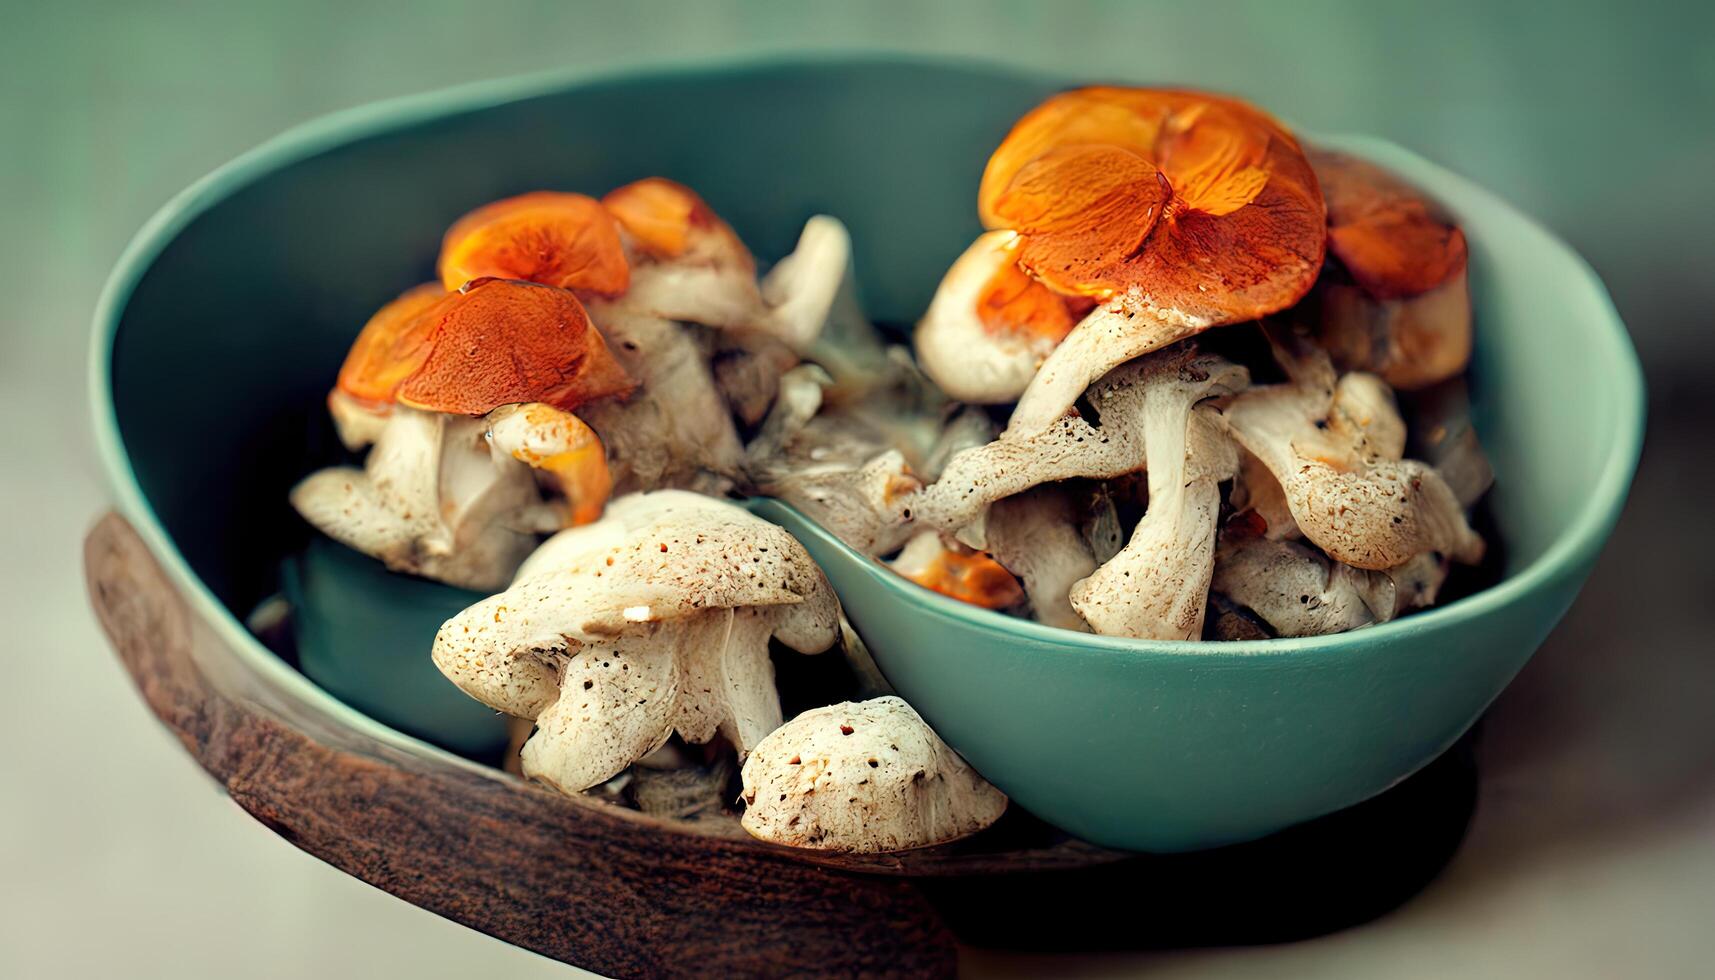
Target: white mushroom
834 467
1109 446
1336 450
863 777
654 619
1157 587
440 496
675 429
990 325
1292 587
1298 591
1035 536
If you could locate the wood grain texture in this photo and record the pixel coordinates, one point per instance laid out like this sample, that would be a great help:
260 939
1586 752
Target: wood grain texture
583 883
572 877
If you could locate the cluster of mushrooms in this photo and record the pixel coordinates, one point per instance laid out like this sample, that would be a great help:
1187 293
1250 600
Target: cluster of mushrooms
1069 443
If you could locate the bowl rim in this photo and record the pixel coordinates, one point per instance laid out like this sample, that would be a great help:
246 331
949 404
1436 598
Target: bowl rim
1577 544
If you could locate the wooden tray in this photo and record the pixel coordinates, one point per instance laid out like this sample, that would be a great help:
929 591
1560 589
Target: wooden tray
625 894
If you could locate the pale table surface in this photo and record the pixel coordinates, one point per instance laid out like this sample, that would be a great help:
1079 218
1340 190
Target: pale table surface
1593 849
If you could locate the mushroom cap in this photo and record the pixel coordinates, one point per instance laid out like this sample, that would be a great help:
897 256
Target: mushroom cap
548 237
389 348
672 553
863 777
495 342
1203 205
990 324
667 219
1395 242
969 576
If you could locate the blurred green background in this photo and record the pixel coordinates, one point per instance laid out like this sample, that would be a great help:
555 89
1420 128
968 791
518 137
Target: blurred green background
1596 834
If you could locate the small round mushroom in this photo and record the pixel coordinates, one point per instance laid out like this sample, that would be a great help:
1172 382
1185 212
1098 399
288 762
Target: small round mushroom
1175 211
862 778
990 325
1394 301
655 619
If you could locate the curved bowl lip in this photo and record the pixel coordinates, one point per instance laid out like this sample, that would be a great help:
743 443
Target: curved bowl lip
1576 545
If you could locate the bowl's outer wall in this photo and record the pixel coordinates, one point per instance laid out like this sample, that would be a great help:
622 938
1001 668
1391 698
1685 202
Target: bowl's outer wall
225 350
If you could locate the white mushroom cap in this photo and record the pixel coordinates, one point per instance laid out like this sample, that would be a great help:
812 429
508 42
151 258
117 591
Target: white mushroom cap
862 778
1335 449
1035 536
357 424
967 359
654 619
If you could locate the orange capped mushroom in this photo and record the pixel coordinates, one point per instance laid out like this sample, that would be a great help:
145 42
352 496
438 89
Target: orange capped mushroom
1178 211
1402 309
991 325
968 576
496 342
547 237
667 219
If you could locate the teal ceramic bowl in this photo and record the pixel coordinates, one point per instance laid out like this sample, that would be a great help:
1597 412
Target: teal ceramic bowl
226 319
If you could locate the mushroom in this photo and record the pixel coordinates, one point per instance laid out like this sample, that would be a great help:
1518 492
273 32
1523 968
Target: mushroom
688 264
1175 211
1395 301
1036 536
654 619
1110 445
838 470
1445 438
968 576
675 430
1299 591
547 237
1157 587
1336 450
863 777
990 325
466 399
1291 586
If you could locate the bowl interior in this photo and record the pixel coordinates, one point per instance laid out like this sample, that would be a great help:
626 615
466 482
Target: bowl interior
233 311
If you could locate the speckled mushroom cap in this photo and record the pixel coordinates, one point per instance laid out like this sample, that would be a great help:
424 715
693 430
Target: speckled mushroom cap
863 777
654 619
1335 447
495 342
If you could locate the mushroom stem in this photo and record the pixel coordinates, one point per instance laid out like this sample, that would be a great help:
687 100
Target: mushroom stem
1124 328
1035 535
559 445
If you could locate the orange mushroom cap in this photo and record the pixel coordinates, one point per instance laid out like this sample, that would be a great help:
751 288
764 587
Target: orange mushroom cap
495 342
389 348
667 218
564 240
1394 241
1012 303
1204 204
969 576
